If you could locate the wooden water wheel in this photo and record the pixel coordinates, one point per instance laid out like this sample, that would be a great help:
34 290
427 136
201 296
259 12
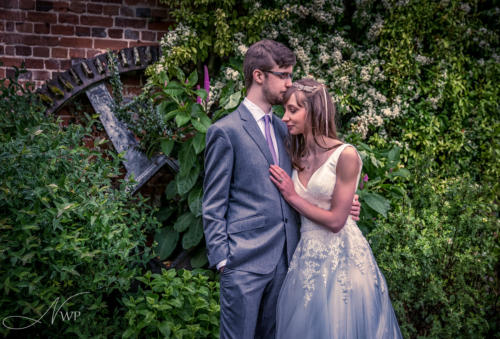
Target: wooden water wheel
87 80
89 77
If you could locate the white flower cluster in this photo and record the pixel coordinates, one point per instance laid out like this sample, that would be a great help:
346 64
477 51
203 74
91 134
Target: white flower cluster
421 59
181 34
375 29
231 74
465 7
214 94
172 43
159 66
241 48
322 11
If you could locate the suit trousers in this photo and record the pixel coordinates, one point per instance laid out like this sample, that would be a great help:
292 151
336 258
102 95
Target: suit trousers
248 302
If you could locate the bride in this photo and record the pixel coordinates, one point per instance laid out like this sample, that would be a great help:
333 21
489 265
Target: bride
333 288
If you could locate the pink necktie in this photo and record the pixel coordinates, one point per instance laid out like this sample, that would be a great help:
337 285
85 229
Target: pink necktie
269 140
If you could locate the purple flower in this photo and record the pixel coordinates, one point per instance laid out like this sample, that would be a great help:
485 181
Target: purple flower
206 83
362 184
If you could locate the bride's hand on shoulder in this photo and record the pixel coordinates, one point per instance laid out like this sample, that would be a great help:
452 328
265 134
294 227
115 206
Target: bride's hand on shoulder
283 181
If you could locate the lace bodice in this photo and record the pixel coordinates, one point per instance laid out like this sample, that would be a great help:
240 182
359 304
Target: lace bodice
320 187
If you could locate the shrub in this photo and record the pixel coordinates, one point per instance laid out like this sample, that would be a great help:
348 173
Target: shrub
439 253
174 304
64 228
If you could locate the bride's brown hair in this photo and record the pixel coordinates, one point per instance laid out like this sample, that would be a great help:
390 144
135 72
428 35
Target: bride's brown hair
320 117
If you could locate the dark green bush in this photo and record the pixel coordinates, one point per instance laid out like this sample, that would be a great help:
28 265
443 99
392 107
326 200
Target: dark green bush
439 253
176 304
64 228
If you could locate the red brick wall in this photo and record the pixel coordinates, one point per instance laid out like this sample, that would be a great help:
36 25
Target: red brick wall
49 35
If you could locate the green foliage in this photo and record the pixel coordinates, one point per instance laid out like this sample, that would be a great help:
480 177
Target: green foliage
174 304
383 180
211 29
177 113
18 107
439 253
442 58
67 226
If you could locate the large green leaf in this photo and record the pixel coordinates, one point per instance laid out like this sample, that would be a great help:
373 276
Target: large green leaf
199 118
171 114
180 74
174 89
199 142
194 200
196 110
198 125
186 181
164 213
393 157
233 101
192 79
201 93
166 146
182 118
200 258
164 328
402 172
377 202
194 235
184 222
187 157
167 241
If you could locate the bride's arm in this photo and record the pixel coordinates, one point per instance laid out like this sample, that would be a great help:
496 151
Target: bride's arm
348 167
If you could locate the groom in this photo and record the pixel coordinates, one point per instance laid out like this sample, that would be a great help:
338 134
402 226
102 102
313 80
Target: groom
250 230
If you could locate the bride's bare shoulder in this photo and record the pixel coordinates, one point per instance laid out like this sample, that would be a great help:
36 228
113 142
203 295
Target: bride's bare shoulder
349 159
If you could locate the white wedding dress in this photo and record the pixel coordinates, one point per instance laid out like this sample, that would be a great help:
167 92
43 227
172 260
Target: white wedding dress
333 288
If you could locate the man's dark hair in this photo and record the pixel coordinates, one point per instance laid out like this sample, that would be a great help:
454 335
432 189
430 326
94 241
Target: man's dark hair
263 55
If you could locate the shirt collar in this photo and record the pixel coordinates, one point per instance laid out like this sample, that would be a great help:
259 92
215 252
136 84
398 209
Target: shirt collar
256 111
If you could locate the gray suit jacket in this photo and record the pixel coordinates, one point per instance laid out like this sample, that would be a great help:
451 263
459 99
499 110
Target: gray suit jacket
245 218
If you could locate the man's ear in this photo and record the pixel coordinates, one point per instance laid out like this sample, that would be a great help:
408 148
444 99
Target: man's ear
258 76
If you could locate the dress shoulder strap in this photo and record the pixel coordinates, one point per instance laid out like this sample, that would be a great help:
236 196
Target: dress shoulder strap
336 154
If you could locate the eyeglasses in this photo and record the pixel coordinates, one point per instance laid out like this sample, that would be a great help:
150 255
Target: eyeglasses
281 75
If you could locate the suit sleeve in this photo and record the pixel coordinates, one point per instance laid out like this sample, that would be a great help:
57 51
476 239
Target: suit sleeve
219 159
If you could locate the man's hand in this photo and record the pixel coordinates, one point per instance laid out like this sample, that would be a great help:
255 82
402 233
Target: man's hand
355 208
222 269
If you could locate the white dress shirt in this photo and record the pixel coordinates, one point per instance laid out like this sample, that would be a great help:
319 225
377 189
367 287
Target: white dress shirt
258 115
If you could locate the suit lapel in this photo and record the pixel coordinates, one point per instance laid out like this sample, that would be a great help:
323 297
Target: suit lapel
251 127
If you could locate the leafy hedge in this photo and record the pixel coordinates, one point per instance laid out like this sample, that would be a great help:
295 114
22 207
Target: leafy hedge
64 228
439 253
174 304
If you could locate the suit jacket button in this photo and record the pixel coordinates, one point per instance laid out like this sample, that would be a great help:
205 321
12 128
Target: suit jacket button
285 220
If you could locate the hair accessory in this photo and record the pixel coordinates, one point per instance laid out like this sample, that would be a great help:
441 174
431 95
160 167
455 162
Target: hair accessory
308 89
326 111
